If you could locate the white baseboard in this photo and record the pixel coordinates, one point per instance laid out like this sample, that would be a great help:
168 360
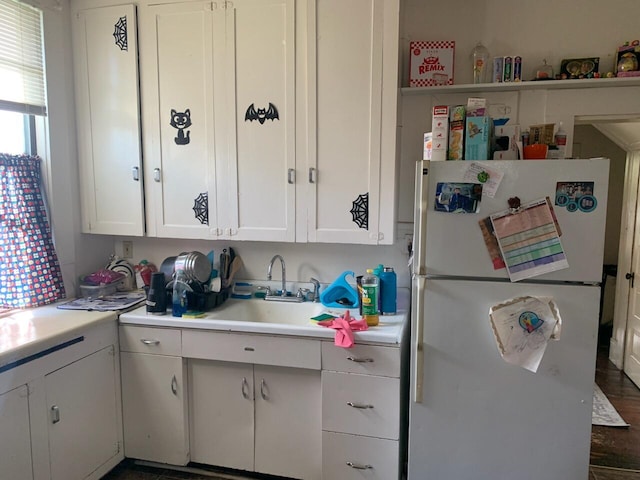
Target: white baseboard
616 353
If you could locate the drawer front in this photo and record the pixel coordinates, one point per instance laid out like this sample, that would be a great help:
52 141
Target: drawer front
161 341
350 457
361 404
366 359
263 350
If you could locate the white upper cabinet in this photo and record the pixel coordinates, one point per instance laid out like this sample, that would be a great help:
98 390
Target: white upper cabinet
352 90
219 113
108 120
259 74
176 59
270 120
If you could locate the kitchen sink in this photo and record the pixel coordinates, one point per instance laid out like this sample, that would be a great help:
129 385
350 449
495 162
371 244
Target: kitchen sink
257 310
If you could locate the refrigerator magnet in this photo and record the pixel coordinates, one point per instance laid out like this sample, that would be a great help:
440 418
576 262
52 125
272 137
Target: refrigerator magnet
458 197
576 196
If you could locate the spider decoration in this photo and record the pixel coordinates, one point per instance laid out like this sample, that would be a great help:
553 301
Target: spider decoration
120 33
360 211
201 208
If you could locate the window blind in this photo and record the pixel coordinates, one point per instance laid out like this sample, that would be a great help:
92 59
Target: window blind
21 59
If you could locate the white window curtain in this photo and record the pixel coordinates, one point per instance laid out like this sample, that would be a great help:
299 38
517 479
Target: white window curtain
21 59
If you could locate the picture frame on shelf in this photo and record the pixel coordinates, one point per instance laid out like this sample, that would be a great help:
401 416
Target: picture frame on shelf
580 67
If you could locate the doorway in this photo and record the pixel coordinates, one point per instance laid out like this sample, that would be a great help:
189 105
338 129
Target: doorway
614 139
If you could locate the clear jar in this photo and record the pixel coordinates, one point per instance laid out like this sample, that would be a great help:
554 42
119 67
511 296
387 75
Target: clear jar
480 57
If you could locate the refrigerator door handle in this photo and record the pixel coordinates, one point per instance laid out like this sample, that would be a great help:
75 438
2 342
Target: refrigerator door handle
417 309
420 217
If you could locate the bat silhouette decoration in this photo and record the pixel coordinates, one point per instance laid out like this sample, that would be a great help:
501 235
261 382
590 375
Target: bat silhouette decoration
261 114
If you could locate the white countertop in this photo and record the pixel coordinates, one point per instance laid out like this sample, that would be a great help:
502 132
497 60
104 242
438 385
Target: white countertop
31 331
389 330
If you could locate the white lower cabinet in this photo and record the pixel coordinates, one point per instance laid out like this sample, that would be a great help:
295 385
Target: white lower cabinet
353 457
15 449
60 406
254 417
297 408
154 395
361 412
83 411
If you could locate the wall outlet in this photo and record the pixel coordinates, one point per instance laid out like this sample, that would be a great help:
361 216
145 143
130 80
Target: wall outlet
127 249
408 240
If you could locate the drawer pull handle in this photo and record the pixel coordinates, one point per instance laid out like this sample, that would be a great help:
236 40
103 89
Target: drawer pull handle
360 466
245 388
174 385
360 360
150 342
359 405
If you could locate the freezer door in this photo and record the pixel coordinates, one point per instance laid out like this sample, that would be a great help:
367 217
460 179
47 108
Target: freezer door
482 418
454 243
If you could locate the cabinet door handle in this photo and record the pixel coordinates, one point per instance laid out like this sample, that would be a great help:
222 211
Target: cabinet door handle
174 385
55 414
291 176
362 406
264 390
156 174
245 388
135 172
359 466
312 175
150 342
360 360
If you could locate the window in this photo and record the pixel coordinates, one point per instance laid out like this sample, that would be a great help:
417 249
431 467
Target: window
29 271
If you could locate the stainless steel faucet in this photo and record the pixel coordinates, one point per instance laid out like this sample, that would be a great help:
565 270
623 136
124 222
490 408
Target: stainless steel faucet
316 289
284 273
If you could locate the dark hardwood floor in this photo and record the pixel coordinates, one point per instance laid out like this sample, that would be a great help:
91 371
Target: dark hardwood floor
615 447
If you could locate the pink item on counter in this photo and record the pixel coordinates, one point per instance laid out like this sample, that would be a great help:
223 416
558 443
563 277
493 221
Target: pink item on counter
344 327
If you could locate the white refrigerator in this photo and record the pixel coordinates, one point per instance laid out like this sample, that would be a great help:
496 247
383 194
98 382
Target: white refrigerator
472 415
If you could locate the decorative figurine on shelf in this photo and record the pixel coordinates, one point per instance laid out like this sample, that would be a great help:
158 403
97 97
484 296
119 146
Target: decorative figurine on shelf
628 59
544 71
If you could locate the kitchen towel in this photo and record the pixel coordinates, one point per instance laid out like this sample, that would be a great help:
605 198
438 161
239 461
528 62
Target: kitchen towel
344 327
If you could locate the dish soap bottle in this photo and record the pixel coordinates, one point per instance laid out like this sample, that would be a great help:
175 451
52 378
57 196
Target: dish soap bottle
179 297
370 293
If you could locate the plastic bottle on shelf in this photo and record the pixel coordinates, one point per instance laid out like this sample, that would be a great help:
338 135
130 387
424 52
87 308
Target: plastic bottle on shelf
480 57
179 301
561 141
370 292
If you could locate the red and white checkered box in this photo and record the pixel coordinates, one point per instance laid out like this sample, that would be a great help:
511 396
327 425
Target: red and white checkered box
431 63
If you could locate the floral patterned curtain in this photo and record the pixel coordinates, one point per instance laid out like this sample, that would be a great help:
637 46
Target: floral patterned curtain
29 270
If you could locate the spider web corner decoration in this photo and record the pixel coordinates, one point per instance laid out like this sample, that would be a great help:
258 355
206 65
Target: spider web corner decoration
360 211
201 208
120 33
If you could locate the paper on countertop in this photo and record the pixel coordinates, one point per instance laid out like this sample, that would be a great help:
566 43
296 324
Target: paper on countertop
523 326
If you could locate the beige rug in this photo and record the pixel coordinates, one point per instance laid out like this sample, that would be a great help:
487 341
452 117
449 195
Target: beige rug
603 412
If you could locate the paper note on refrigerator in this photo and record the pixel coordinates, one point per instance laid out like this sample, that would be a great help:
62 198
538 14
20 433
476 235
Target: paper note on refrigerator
522 327
489 177
529 240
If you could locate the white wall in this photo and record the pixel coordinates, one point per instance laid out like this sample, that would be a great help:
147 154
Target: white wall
544 29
